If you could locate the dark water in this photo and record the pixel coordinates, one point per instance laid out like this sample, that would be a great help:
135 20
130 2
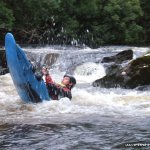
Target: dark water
95 119
93 134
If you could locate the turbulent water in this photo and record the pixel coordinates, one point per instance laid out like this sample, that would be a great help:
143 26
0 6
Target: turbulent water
95 119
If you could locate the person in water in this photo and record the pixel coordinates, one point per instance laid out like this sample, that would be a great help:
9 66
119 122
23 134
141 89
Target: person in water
58 91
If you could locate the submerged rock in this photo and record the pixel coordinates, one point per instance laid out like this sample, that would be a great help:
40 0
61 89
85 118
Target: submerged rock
136 73
120 57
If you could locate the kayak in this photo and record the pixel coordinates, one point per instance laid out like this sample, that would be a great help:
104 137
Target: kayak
29 88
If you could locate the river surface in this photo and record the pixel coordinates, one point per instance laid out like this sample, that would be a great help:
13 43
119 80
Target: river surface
95 119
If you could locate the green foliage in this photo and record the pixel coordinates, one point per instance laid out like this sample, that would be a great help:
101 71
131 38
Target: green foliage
6 17
120 19
31 13
145 20
93 22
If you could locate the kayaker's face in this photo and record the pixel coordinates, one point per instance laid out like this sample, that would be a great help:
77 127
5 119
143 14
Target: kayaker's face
66 80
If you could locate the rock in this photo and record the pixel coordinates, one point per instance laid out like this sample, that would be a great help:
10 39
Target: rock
4 71
120 57
109 81
3 63
112 69
135 74
138 72
40 59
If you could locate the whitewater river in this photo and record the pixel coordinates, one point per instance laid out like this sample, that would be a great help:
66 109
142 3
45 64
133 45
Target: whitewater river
95 119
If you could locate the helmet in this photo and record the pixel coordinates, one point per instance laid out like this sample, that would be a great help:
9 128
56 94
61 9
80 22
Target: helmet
44 66
72 79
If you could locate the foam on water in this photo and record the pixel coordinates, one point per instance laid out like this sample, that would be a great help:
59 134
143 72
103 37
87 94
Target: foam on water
88 72
86 100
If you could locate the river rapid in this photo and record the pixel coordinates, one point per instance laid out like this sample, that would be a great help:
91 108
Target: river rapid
95 119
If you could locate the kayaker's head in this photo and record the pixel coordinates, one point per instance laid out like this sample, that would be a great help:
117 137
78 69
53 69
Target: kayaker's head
69 81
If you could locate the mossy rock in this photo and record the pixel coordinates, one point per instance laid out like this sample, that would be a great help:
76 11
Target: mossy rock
136 73
139 72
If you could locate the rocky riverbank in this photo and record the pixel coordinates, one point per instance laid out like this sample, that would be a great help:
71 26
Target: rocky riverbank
136 73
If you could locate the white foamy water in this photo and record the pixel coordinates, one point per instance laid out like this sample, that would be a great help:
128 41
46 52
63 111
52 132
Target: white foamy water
88 72
87 100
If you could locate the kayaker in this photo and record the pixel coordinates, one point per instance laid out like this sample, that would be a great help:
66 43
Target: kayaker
63 89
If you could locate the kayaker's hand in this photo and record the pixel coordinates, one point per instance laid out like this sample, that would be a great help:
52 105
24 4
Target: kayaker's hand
45 71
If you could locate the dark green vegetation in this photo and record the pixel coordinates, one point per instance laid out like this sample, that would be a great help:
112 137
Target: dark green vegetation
95 23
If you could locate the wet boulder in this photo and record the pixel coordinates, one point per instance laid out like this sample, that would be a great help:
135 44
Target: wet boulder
138 72
3 71
109 81
119 58
113 69
3 63
135 74
40 59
